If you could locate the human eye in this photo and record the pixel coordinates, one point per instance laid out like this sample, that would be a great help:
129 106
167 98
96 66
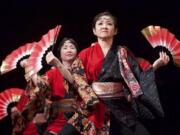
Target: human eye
72 47
110 23
99 23
64 48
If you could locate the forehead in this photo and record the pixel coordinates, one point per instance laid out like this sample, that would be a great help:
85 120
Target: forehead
105 18
68 42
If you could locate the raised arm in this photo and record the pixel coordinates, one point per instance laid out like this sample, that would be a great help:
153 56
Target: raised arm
54 61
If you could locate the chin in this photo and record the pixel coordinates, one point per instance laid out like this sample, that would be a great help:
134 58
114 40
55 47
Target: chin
70 59
105 36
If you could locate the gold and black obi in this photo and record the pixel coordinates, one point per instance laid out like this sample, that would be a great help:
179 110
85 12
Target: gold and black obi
108 89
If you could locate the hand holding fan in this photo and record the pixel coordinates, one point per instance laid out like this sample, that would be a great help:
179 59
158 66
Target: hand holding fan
158 36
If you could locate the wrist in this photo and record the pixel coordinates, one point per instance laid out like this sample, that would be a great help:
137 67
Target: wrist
157 65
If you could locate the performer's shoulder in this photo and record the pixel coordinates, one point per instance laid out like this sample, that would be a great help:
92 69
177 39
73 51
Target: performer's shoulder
88 49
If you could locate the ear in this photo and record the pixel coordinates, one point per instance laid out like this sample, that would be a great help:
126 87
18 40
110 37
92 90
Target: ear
94 31
115 32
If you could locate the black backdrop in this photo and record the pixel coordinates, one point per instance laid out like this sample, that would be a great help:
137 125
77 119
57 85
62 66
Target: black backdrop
26 21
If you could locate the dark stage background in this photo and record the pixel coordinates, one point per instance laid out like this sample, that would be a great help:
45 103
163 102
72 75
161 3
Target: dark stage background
23 21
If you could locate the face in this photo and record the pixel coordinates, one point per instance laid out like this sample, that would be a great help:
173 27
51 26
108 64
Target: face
68 51
104 27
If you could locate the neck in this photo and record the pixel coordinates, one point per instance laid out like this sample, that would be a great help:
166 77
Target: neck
105 45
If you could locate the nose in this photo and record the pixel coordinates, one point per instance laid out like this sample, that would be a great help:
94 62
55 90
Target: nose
104 26
69 50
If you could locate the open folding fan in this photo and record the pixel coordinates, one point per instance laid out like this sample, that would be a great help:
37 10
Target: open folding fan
46 42
10 62
158 36
8 96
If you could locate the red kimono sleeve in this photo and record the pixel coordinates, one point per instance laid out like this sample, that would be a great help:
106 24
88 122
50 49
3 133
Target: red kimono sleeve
92 59
56 81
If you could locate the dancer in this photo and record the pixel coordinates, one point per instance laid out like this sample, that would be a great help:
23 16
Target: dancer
117 79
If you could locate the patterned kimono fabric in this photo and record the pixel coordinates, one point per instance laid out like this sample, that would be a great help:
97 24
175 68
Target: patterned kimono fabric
86 100
123 114
56 119
28 108
83 97
92 59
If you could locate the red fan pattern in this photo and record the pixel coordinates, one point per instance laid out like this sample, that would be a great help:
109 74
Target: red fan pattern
6 97
10 62
158 36
47 40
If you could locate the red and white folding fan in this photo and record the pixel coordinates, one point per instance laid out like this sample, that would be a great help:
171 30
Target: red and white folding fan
8 96
10 62
143 63
158 36
47 41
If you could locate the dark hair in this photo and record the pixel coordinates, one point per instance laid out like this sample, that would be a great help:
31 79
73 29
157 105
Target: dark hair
105 13
71 40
